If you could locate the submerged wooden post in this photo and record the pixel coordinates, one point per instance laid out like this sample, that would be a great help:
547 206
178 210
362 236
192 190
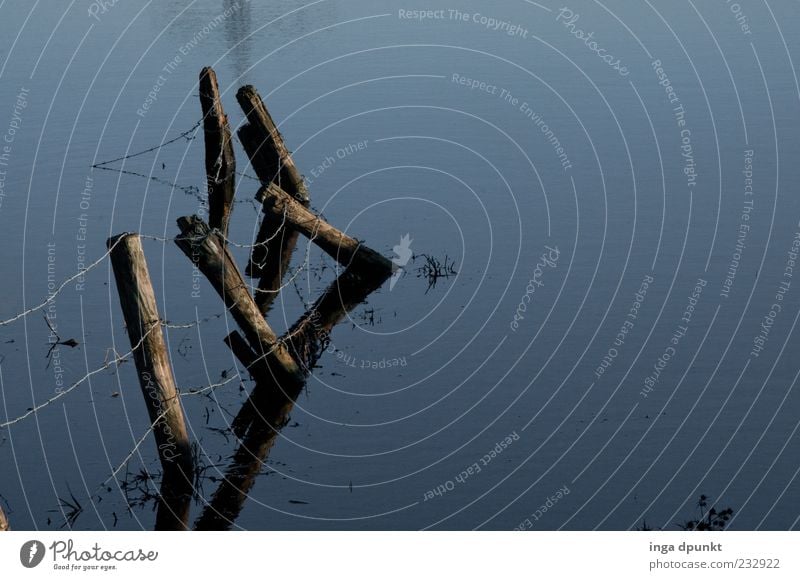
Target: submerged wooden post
335 243
151 357
4 527
209 253
220 160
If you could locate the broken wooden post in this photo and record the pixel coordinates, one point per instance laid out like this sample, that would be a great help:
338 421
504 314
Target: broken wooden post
335 243
209 253
151 357
272 163
4 527
220 160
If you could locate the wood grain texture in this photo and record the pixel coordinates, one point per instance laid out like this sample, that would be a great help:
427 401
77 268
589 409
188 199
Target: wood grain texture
220 159
338 245
155 375
208 252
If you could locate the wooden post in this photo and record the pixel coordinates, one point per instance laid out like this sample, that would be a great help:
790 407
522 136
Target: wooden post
150 355
277 258
269 406
220 160
272 163
264 144
338 245
208 252
4 527
271 234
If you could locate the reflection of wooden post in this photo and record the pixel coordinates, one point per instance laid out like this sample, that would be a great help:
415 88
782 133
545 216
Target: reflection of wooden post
211 256
174 503
220 161
268 408
4 527
150 354
337 244
228 500
306 337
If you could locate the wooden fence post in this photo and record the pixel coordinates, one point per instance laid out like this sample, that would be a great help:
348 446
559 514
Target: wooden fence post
335 243
151 357
208 252
220 160
264 144
272 163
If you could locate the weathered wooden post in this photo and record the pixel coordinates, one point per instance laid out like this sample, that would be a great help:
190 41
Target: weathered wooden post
4 527
272 163
209 253
335 243
151 357
220 160
265 146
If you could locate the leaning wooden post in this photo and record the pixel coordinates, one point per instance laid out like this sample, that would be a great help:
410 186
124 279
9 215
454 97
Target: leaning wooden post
265 146
4 527
150 355
220 160
273 163
209 253
335 243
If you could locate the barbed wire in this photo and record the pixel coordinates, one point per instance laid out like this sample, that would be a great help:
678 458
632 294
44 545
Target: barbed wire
82 272
187 189
185 135
138 444
63 285
280 343
115 361
192 391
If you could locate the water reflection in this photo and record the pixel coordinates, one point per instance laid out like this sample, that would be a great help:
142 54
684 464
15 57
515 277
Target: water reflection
266 412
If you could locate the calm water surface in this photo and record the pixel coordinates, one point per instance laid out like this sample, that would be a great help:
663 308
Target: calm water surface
616 184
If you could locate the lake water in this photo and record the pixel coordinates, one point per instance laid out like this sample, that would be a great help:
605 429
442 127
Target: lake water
616 184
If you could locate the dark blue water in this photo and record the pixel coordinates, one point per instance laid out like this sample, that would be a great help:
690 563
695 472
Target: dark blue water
615 182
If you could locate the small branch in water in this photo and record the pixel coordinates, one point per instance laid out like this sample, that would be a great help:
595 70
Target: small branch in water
71 342
433 269
70 508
